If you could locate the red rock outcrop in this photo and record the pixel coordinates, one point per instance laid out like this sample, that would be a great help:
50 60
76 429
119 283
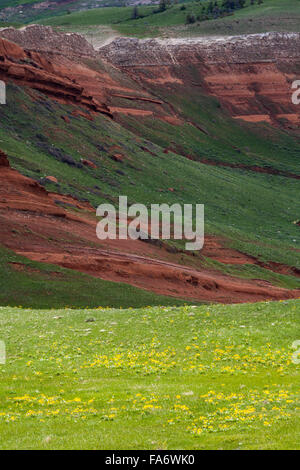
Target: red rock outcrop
4 162
88 163
251 75
19 193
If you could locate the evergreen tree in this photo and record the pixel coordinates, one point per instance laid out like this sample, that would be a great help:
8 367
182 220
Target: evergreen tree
216 10
210 8
135 13
162 5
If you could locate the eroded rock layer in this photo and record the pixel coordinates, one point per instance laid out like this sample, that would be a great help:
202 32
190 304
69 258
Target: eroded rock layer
251 75
45 39
32 69
65 67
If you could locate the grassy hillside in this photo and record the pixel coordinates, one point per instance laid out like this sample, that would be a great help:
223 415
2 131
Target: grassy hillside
241 205
272 15
217 377
13 3
38 285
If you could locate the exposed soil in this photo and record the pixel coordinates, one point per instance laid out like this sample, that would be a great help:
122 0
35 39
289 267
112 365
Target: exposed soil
250 75
35 224
46 227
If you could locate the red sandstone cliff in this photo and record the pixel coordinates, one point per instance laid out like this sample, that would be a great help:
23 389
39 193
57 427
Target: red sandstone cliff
65 67
27 68
251 75
57 236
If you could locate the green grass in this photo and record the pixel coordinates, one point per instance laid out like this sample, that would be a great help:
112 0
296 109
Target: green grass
100 16
210 377
281 15
7 25
272 15
41 285
240 205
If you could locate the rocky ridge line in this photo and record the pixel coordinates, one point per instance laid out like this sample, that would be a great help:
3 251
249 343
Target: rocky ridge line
45 39
266 47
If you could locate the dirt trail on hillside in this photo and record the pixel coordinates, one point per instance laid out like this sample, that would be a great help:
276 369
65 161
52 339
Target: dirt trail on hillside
36 224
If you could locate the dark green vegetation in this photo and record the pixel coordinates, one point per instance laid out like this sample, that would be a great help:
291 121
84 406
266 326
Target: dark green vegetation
183 19
271 15
211 377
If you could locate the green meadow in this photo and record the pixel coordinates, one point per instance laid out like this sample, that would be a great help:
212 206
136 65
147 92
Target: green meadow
190 377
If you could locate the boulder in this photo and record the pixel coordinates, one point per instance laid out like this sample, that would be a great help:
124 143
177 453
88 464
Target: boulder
88 163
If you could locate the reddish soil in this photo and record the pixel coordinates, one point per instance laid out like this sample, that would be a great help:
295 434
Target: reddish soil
250 89
68 80
34 223
250 75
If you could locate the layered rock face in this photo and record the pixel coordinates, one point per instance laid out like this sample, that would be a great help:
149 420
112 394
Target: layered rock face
251 75
65 67
30 68
236 49
44 39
